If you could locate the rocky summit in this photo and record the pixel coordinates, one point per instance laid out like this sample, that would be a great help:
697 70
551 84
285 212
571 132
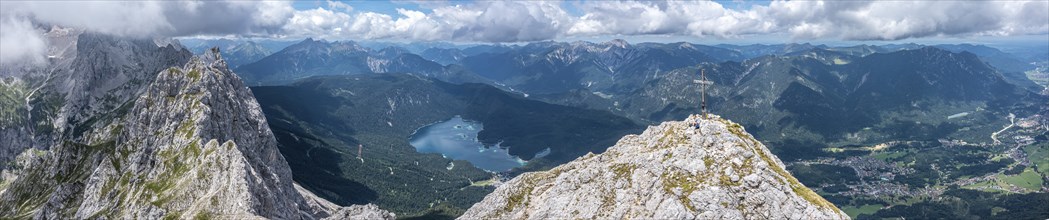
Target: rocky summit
193 144
693 169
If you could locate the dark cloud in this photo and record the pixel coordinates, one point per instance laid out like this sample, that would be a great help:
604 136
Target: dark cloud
227 17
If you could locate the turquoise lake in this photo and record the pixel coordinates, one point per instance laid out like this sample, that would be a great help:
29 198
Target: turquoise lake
456 139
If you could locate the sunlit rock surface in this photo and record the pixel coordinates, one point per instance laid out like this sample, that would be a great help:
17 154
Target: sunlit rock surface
675 170
187 142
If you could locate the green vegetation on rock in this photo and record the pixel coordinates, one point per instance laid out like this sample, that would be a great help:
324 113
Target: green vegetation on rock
12 106
795 185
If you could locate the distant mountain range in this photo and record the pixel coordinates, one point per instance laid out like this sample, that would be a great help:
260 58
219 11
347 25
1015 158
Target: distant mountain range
543 67
237 52
313 58
617 66
830 97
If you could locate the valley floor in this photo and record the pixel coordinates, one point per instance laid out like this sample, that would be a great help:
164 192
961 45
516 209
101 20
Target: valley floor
875 181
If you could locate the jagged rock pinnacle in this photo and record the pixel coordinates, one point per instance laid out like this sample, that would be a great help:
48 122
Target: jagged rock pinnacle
694 169
193 144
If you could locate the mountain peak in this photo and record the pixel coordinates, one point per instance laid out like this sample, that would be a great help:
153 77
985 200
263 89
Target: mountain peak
618 42
692 169
190 143
212 55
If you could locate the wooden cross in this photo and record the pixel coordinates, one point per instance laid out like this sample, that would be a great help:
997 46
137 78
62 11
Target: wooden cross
703 93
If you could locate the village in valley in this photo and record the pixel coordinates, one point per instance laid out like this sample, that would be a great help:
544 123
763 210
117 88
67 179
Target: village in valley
872 178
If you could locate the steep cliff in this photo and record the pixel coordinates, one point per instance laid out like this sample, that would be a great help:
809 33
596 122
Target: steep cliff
190 143
671 171
87 75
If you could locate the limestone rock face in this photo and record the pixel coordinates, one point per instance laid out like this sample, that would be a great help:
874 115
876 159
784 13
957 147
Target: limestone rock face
324 209
87 75
671 171
191 142
196 137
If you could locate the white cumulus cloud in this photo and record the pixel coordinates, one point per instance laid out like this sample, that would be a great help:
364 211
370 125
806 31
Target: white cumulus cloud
513 21
701 18
494 21
893 20
157 18
848 20
20 42
143 19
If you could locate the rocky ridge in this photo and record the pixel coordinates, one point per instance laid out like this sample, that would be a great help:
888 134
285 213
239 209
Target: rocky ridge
87 75
192 144
671 171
